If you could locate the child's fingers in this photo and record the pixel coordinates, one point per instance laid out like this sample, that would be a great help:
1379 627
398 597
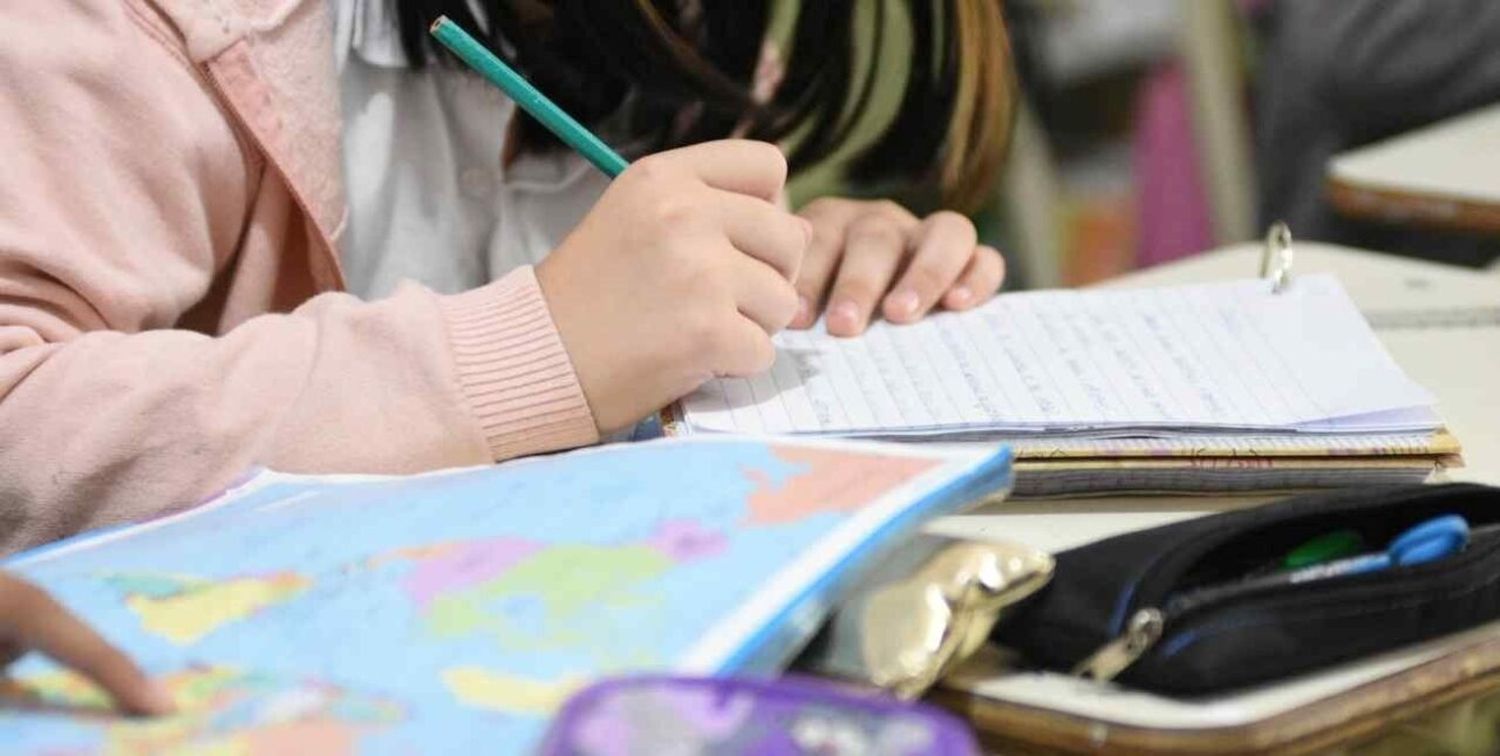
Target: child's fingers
744 349
874 246
34 620
945 242
765 232
10 652
734 165
828 217
763 295
979 281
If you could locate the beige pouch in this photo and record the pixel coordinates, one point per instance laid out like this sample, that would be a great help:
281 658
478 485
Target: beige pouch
922 611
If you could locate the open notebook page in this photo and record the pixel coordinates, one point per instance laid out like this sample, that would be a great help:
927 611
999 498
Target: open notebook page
1224 356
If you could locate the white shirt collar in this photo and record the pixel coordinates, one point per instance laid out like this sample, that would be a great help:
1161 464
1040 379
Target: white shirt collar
367 28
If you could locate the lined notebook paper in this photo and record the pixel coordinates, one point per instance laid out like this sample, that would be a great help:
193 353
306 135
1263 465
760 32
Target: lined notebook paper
1215 358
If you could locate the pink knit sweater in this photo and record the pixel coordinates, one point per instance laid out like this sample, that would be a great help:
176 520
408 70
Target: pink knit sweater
169 308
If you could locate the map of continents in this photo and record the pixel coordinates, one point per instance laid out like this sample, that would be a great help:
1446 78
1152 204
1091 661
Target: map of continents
531 596
221 710
602 606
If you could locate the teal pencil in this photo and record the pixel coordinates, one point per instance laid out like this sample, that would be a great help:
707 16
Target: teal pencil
545 111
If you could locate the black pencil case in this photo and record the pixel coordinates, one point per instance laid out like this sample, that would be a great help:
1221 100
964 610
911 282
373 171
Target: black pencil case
1179 610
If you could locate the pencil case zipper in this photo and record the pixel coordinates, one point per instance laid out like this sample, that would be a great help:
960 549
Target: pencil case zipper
1149 618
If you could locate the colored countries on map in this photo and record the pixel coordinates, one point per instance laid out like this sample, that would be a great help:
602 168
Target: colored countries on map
827 481
464 631
220 710
530 595
185 609
514 694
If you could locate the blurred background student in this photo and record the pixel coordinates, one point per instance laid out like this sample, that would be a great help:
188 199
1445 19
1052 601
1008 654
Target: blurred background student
1338 75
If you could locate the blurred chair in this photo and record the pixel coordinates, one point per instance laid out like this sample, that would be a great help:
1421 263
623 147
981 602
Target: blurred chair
1028 201
1210 46
1190 145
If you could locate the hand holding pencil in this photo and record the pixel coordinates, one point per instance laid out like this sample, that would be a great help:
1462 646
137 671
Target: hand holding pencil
681 272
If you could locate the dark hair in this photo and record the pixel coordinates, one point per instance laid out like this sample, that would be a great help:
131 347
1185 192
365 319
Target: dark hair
655 74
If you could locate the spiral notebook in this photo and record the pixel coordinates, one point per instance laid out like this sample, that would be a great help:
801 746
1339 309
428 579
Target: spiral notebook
1248 384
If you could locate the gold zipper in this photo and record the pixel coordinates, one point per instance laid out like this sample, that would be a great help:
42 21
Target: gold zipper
1114 657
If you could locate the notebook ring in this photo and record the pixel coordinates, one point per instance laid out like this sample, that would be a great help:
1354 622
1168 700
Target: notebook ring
1276 258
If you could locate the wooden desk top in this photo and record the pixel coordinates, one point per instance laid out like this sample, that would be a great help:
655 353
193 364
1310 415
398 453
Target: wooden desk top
1444 176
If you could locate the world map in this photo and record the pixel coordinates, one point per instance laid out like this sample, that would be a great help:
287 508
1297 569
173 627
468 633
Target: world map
440 612
229 711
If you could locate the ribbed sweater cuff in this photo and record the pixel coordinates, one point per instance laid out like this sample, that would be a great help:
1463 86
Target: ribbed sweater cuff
513 369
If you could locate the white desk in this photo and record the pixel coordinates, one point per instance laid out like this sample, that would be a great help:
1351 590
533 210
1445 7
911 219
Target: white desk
1446 175
1442 324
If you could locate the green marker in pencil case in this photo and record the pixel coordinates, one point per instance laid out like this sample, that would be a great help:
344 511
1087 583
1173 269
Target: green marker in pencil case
473 53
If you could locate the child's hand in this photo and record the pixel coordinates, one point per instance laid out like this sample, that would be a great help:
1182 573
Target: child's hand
869 253
31 621
679 274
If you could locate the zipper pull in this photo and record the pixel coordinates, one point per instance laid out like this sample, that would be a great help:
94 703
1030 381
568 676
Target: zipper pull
1143 630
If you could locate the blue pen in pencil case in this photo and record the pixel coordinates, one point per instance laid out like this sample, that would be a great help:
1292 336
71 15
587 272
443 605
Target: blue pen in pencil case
1232 600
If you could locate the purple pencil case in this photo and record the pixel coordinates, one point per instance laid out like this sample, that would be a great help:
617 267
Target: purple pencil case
685 716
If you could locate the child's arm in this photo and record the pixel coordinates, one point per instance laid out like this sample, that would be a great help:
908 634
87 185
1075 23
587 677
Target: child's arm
30 620
122 205
124 200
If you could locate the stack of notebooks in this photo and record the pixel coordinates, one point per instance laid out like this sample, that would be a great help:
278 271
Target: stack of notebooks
1207 388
